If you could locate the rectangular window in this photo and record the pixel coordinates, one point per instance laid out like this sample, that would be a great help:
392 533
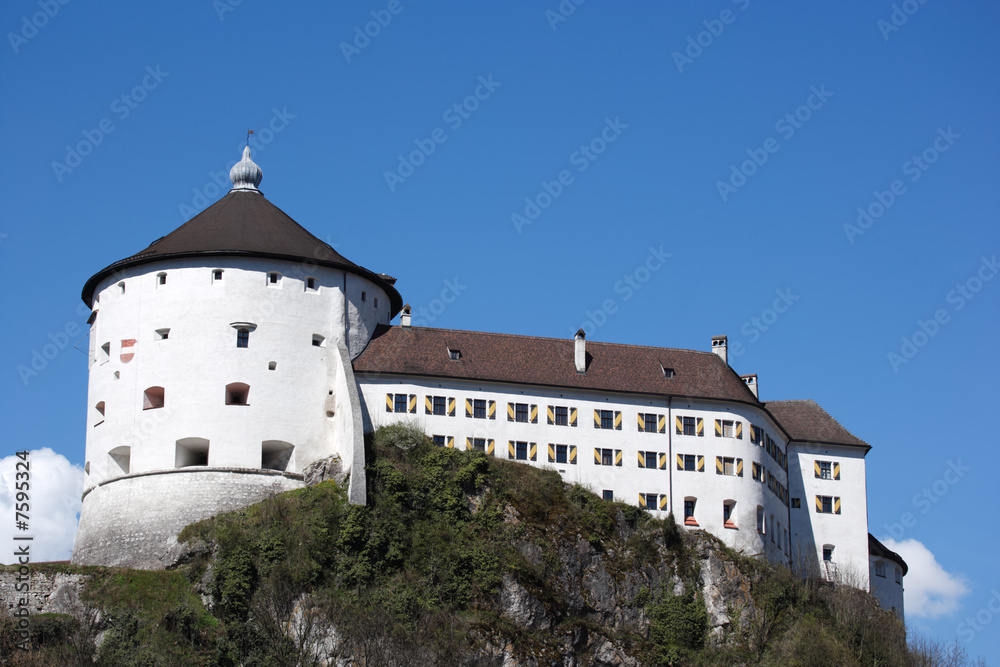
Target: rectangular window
760 519
607 457
649 425
562 453
272 278
399 404
689 462
439 405
521 449
689 426
242 338
757 472
521 412
824 470
796 503
479 409
899 575
561 415
828 554
217 275
439 440
310 283
608 494
650 460
479 444
879 568
727 429
825 504
607 419
650 500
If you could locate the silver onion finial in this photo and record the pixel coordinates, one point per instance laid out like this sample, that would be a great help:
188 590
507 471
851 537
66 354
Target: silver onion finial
245 174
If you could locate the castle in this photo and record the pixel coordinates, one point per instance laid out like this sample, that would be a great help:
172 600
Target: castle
232 353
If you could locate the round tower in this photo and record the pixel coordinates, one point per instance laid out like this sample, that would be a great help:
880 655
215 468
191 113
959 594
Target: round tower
220 367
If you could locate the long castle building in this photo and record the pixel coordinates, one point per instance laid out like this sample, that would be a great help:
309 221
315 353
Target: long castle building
232 353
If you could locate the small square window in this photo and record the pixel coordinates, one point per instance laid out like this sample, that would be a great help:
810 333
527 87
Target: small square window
217 275
311 283
608 494
796 503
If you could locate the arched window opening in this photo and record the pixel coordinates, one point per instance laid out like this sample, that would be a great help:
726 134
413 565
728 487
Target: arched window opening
237 393
276 455
100 413
152 398
689 504
191 452
729 514
120 461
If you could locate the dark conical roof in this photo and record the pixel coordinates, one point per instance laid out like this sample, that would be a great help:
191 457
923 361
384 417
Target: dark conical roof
243 223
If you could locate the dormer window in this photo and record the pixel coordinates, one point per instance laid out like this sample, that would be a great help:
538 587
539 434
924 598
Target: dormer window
454 355
667 372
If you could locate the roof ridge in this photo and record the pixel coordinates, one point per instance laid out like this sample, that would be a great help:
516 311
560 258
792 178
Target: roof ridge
565 340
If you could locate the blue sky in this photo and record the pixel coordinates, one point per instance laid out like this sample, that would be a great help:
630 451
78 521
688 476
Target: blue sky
737 137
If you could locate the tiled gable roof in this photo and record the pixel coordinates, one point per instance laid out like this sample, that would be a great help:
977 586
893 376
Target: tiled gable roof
492 357
806 421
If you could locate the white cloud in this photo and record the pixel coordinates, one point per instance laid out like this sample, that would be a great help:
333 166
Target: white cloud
930 591
54 502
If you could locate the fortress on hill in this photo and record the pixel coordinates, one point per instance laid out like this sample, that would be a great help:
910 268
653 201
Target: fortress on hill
234 352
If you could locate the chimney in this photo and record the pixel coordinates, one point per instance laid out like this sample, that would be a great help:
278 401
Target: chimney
751 383
581 352
719 345
404 319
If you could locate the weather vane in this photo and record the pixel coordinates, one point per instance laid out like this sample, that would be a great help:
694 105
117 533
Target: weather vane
249 132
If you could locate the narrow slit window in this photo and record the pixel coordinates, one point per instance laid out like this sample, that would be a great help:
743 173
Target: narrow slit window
161 278
311 284
273 278
242 338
